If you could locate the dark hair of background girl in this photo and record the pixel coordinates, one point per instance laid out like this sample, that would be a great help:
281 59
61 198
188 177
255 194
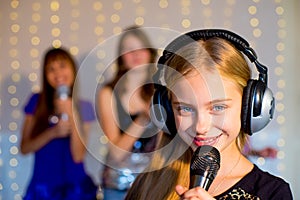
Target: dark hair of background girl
147 89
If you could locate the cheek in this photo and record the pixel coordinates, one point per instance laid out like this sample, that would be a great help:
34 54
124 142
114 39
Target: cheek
183 123
51 79
229 122
127 59
146 56
177 121
185 129
72 77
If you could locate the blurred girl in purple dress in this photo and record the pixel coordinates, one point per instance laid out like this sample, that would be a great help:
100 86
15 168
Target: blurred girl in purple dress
56 126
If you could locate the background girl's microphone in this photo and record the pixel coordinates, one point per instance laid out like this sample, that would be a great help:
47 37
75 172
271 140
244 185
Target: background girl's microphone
63 92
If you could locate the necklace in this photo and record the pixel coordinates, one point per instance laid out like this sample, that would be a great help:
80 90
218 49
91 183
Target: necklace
228 174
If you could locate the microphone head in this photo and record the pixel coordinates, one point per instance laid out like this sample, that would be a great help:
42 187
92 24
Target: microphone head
63 92
205 162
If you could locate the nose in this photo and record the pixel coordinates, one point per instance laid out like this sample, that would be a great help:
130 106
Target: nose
203 123
55 71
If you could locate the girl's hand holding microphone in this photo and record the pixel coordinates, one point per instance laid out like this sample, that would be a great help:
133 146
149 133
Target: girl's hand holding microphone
63 106
194 193
64 110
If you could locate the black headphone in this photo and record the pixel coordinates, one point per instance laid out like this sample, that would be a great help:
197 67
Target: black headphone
257 101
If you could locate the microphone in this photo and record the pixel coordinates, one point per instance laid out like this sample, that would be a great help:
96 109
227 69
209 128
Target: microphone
63 92
204 166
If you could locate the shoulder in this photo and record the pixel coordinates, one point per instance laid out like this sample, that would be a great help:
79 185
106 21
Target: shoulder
106 94
31 103
258 184
106 90
85 103
267 186
33 97
264 176
87 110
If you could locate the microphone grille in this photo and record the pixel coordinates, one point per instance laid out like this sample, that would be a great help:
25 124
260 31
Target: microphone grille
205 160
63 91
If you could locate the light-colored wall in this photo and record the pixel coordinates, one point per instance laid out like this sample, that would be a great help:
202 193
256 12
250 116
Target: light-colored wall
89 29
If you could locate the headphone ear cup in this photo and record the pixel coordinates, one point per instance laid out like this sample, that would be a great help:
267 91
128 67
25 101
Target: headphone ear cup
257 106
246 107
161 112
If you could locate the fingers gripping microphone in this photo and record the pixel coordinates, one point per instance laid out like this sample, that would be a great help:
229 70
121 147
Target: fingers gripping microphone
204 166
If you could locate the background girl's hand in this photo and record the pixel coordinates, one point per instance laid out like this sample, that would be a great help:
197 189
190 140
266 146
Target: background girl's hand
63 128
194 193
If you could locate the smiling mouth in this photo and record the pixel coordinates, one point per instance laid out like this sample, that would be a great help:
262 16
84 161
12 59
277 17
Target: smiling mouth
206 141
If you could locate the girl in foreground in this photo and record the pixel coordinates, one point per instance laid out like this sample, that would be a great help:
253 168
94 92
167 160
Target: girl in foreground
205 80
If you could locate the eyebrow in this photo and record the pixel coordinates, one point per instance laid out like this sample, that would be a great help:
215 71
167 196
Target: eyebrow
220 100
210 103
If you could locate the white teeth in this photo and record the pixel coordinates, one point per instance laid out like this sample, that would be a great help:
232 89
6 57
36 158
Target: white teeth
209 140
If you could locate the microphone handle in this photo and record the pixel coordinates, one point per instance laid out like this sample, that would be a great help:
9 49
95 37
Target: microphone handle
63 94
201 181
64 117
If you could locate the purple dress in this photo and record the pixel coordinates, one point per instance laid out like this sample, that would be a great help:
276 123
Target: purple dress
55 175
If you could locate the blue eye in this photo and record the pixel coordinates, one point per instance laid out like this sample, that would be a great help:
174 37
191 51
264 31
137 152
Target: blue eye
185 110
218 108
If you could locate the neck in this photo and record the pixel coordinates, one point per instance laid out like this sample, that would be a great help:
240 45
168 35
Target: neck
229 154
136 77
226 176
229 172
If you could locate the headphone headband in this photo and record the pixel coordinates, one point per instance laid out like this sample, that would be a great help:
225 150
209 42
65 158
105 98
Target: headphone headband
205 34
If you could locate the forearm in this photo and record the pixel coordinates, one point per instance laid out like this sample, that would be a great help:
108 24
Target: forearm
122 146
79 137
78 148
34 144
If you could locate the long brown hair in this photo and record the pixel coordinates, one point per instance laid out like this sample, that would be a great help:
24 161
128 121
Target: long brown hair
213 54
45 105
147 89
